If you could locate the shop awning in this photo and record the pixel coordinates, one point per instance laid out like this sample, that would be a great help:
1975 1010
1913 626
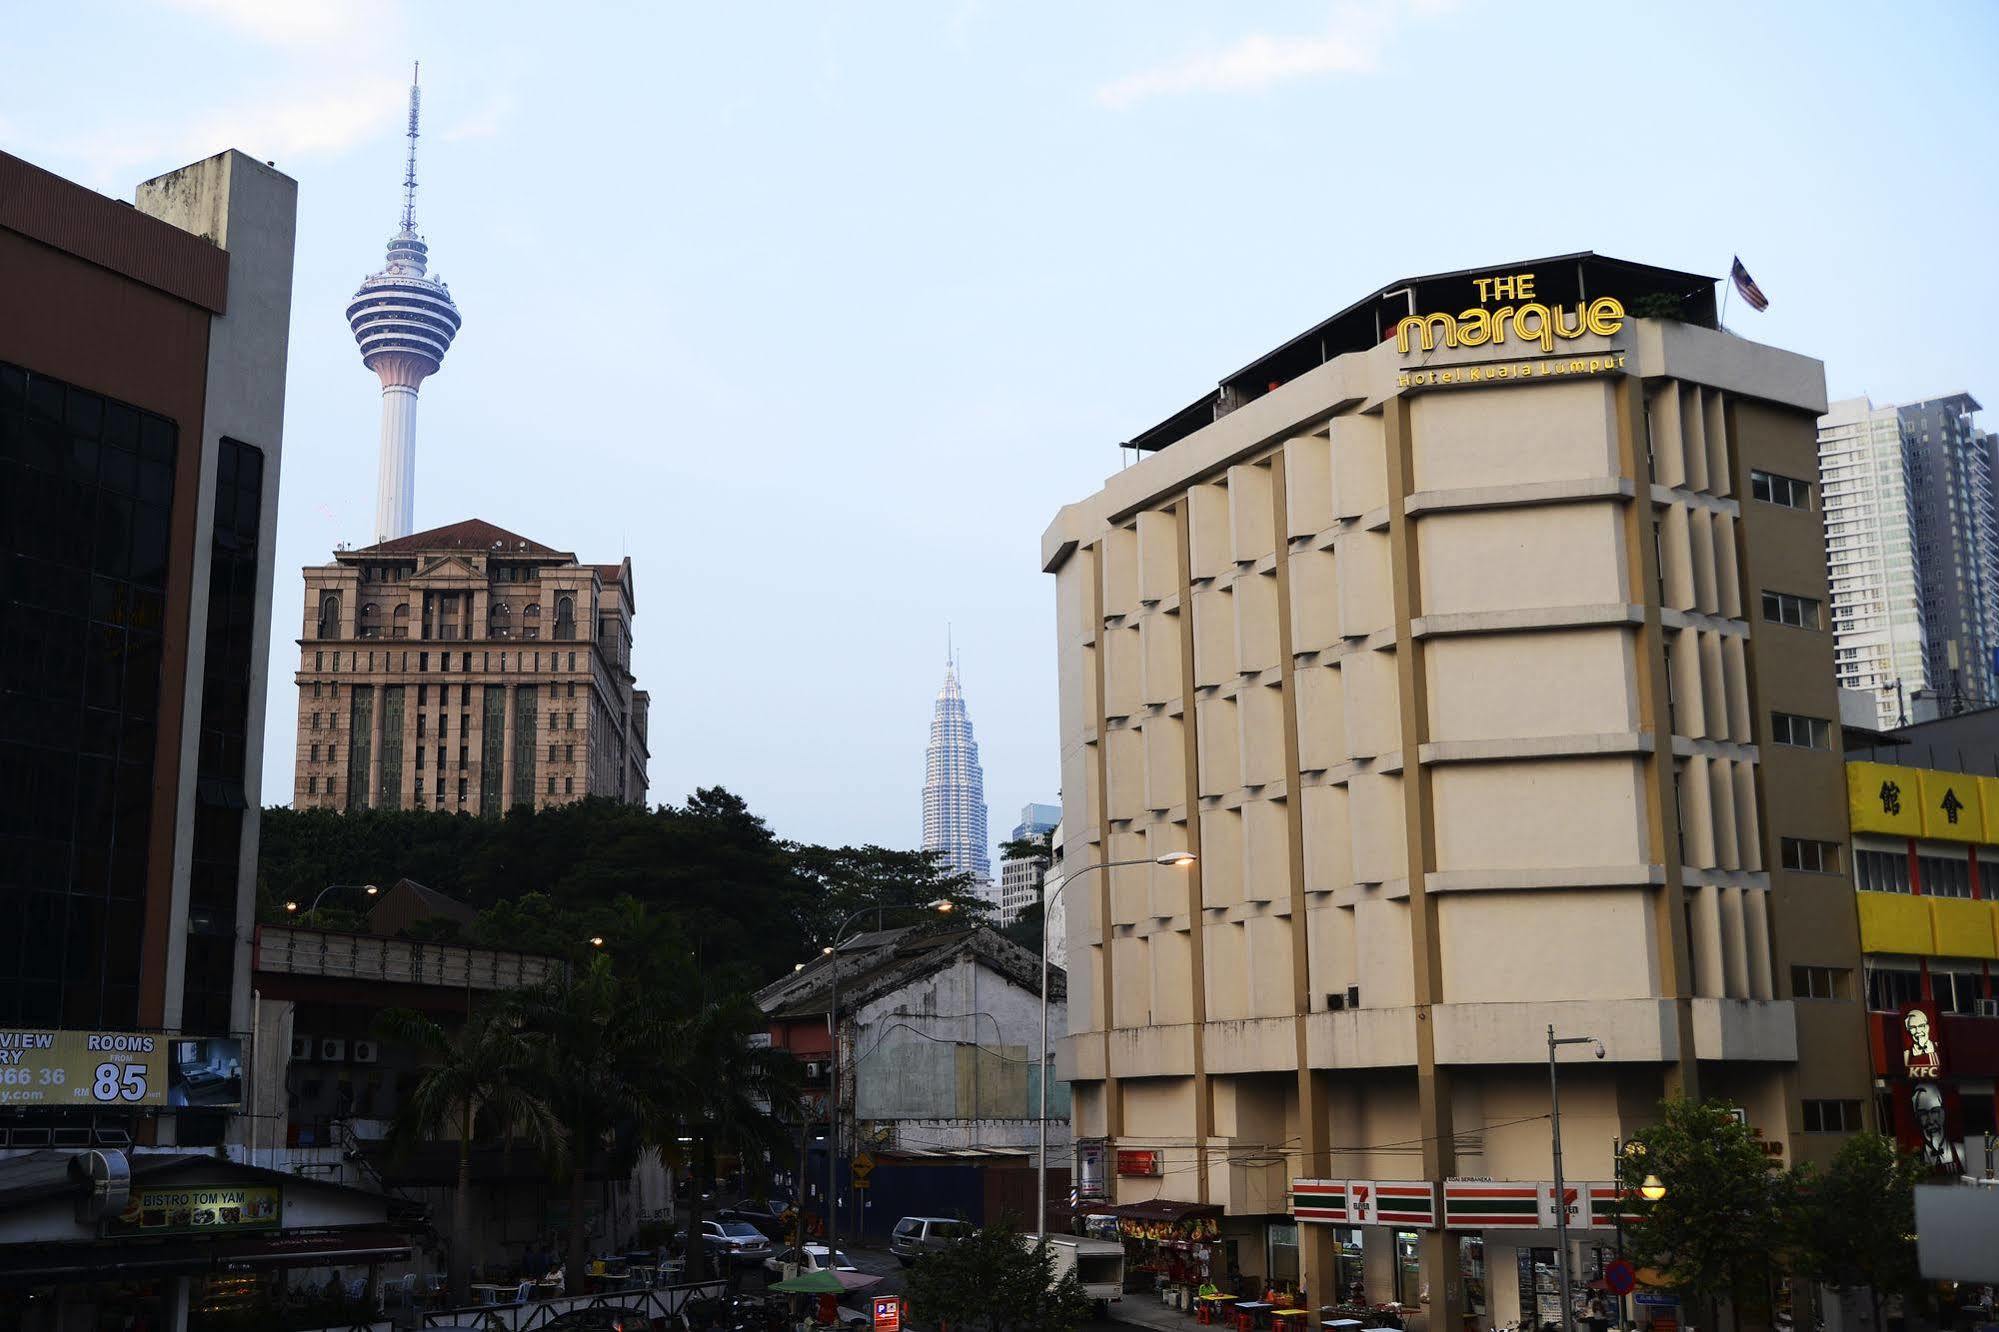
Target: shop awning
1158 1209
109 1260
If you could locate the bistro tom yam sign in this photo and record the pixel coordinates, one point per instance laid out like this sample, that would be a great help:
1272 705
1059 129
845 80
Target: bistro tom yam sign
199 1209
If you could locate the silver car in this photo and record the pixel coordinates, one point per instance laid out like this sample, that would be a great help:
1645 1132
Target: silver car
737 1242
916 1236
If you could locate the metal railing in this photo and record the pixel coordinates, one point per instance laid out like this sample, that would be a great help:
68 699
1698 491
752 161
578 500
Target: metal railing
658 1302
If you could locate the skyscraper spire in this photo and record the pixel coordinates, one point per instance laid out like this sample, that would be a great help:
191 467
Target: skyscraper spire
409 175
404 321
954 785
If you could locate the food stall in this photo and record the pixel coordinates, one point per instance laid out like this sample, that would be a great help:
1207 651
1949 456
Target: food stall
1169 1244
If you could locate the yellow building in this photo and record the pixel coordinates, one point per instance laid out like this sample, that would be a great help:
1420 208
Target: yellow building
1475 642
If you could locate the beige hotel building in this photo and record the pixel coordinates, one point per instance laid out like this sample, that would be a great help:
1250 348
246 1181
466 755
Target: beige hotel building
1484 663
467 669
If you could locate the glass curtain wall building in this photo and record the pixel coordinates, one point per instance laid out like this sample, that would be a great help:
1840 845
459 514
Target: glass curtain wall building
954 788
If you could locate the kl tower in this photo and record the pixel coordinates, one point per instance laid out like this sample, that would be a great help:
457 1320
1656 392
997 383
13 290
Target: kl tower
403 322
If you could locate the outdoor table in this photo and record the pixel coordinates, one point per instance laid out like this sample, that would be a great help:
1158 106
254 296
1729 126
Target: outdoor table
1248 1312
1341 1323
488 1293
1206 1307
1277 1316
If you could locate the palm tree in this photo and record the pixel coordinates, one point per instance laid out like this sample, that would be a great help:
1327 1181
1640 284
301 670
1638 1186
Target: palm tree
597 1066
472 1075
722 1092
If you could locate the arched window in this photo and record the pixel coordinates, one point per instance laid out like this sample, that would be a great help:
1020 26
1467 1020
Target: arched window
329 615
371 620
402 621
500 620
565 617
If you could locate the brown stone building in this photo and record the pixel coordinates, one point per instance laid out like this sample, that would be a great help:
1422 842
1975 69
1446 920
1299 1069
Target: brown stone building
467 669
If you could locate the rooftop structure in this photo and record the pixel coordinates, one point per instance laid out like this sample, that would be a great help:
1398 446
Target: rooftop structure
404 321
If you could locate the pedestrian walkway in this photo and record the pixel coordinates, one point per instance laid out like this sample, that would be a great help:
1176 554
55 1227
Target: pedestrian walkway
1146 1311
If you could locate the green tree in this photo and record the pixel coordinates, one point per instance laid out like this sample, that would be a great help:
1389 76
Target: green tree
1714 1235
721 1094
1854 1224
996 1280
472 1076
596 1063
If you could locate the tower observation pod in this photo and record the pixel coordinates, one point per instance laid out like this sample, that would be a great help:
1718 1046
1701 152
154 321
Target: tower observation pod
403 322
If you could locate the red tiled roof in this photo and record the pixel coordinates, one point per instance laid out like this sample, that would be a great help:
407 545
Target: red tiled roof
472 534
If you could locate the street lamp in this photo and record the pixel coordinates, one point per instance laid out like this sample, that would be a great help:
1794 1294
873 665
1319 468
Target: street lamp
368 888
1172 860
596 941
1561 1196
1653 1189
840 936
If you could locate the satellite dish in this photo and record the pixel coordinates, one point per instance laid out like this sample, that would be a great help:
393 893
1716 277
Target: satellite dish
109 1176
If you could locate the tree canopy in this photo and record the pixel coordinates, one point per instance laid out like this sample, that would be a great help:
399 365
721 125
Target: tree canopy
996 1280
744 902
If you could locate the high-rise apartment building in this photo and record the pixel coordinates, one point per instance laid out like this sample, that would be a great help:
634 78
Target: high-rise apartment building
1957 547
1867 484
142 393
467 669
954 788
1461 644
1021 876
1912 541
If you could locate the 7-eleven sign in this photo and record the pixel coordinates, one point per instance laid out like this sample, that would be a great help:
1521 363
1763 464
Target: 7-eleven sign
1570 1204
1377 1202
1319 1200
1607 1203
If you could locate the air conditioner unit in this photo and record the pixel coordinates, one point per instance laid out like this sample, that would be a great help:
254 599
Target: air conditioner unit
333 1049
367 1052
1988 1008
302 1047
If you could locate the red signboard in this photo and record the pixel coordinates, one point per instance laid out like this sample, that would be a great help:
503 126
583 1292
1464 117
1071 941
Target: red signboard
888 1313
1922 1043
1137 1162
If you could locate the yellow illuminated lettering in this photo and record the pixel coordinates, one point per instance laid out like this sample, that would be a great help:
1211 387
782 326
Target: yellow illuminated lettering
1427 328
1484 286
1523 286
1502 289
1541 332
1606 315
1474 329
1562 329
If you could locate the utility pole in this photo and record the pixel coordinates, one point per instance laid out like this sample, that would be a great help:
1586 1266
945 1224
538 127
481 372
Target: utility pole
1561 1193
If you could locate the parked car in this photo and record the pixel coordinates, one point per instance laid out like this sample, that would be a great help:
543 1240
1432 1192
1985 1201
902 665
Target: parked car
810 1258
736 1242
772 1218
602 1318
915 1236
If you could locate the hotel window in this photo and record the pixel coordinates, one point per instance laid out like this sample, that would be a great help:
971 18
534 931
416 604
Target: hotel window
1891 987
421 722
1804 732
319 661
1772 488
569 753
1832 1116
1941 876
461 790
419 788
312 786
329 616
462 751
315 753
551 753
1819 982
551 786
572 689
1956 991
1802 853
569 786
1797 612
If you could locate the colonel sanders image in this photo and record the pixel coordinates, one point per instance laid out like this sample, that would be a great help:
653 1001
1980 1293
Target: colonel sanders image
1939 1152
1919 1049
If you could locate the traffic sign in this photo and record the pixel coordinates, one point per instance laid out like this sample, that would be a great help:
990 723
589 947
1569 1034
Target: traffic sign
888 1313
861 1165
1620 1276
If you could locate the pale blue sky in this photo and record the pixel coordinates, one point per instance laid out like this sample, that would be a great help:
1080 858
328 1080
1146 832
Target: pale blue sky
837 304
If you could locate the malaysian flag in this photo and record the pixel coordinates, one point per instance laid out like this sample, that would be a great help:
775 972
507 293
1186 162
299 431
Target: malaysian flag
1747 286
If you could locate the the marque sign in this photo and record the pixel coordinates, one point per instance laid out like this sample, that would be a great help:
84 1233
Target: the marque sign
1530 322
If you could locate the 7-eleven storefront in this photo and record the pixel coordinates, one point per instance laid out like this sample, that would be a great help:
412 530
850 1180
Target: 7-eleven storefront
1506 1246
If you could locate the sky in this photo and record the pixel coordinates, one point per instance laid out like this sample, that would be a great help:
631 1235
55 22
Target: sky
820 312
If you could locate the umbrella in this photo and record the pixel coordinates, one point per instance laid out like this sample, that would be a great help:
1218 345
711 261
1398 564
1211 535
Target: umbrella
853 1280
811 1283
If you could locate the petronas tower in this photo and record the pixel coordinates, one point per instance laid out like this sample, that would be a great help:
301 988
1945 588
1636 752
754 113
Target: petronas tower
954 786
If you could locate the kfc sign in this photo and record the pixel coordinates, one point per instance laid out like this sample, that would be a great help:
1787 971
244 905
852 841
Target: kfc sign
1922 1057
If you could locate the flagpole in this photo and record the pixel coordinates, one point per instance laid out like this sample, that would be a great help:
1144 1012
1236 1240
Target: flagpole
1727 286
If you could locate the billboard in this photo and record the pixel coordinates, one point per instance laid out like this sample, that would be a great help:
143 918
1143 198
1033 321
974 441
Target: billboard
203 1209
123 1069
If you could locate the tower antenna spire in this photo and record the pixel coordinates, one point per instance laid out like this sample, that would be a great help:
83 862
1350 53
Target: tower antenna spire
409 174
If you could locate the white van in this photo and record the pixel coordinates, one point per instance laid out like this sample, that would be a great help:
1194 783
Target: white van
1097 1263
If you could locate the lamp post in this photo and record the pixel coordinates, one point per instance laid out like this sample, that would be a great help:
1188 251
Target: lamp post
368 888
1173 860
1561 1197
832 950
